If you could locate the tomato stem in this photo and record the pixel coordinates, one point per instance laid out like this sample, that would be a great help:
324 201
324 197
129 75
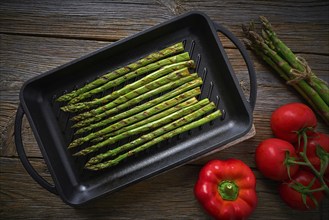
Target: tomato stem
307 162
292 161
324 158
316 190
306 190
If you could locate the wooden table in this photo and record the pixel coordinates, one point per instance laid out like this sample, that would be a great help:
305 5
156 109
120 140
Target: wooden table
37 36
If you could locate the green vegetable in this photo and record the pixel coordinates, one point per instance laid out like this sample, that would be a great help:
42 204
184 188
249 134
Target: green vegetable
291 68
169 51
153 138
176 62
146 127
183 88
139 116
134 89
149 114
106 130
298 63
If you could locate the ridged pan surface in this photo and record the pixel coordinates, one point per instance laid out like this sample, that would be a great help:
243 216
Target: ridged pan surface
52 127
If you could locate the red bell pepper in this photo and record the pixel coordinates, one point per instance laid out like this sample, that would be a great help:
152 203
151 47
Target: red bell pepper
226 189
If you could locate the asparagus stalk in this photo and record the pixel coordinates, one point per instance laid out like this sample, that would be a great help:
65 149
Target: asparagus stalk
320 106
131 90
110 128
152 107
147 127
126 124
278 70
153 138
314 99
144 92
138 72
169 51
124 100
182 92
140 116
320 86
94 116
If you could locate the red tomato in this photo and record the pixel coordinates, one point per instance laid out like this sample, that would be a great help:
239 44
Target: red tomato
313 141
271 159
294 198
289 119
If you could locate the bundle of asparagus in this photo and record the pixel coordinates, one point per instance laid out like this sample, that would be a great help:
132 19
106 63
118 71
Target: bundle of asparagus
290 67
172 107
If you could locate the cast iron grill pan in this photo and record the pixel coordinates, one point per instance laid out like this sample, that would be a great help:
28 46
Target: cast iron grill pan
52 127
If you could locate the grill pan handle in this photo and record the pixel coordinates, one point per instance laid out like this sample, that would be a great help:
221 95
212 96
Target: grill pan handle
22 155
250 67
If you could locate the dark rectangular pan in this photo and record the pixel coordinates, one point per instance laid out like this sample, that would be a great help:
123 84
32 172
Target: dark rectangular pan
50 126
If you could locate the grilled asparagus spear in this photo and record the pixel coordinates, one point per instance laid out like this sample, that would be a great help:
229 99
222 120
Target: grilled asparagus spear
92 117
151 58
126 125
154 106
142 115
153 66
130 91
147 127
109 129
130 98
153 138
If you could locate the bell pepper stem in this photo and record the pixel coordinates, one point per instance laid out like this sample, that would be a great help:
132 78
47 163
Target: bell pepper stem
228 190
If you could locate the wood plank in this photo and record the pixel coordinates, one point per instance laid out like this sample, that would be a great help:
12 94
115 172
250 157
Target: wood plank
14 199
23 57
37 55
79 19
175 188
116 20
40 35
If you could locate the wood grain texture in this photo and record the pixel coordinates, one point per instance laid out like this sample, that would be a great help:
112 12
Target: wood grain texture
108 20
37 36
167 196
